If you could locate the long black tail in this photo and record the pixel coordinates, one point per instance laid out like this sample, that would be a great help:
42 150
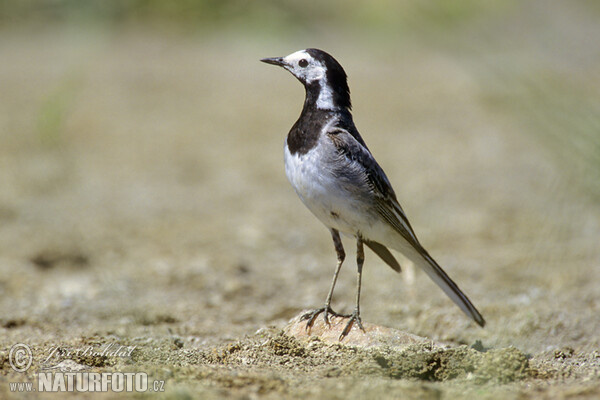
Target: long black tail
422 258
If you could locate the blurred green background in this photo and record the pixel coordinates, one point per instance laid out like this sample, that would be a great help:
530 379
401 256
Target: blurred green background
264 12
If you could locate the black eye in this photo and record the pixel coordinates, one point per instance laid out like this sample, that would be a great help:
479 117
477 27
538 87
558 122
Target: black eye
303 63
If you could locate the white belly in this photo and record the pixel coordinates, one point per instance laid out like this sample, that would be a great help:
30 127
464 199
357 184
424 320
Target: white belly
322 194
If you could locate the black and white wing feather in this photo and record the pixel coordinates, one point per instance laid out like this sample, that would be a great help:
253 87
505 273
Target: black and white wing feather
352 147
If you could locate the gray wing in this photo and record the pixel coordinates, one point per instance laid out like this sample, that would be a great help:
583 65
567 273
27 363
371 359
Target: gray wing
388 207
377 182
385 199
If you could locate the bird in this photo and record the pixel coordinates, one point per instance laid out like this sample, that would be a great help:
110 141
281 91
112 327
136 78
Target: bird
337 178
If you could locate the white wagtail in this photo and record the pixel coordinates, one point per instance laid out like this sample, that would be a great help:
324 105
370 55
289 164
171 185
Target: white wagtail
337 178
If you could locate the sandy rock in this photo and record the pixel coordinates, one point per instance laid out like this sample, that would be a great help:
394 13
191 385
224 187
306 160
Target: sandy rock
373 336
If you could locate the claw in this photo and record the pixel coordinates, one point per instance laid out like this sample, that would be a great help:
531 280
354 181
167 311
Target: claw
311 316
326 311
355 317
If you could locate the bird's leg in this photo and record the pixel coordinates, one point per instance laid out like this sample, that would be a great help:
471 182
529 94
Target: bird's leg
355 316
341 255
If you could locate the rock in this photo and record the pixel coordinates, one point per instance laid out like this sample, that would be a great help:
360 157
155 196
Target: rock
374 335
400 355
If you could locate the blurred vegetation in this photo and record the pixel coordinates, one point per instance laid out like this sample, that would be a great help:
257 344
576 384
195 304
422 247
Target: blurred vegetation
53 112
380 13
564 117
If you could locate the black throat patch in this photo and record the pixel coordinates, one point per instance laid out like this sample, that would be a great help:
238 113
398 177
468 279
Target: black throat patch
304 135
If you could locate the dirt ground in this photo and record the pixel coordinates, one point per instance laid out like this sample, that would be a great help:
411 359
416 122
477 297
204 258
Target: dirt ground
143 203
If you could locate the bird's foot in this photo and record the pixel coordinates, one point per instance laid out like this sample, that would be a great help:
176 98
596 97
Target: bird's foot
311 316
354 317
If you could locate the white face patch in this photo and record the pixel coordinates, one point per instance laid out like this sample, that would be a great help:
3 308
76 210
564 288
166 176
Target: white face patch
304 67
312 70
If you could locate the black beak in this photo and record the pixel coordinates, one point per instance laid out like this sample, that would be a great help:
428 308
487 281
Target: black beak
275 61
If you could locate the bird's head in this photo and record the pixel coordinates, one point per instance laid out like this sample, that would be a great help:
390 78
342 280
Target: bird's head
323 77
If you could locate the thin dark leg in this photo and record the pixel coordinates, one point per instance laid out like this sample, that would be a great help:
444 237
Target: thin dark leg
355 316
341 255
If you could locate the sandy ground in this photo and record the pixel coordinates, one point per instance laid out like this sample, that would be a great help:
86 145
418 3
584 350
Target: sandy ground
143 203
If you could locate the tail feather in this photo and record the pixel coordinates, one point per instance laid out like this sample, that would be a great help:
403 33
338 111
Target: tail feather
421 257
439 276
407 243
384 254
